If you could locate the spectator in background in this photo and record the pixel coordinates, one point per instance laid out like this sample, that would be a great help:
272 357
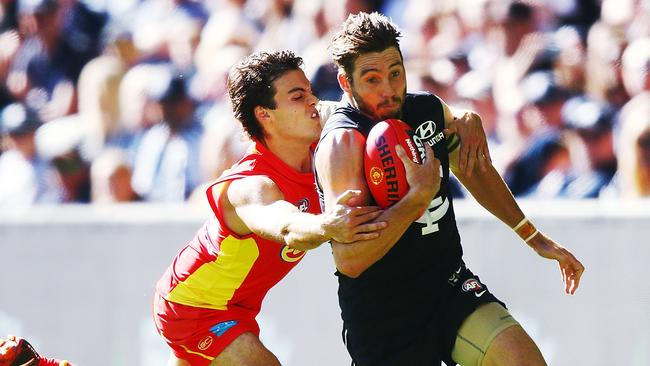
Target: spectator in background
224 143
8 15
537 125
21 171
636 66
138 110
64 143
166 167
569 65
60 38
633 139
473 53
590 128
632 179
541 170
544 99
520 45
99 103
10 41
605 45
110 176
474 88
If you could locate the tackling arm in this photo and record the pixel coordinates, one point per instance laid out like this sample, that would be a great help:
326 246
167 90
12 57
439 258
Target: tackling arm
256 205
489 190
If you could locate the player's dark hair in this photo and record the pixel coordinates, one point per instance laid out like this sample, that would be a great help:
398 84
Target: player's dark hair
250 84
363 33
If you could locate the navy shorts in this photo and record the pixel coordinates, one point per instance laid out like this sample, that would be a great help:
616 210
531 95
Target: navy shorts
419 334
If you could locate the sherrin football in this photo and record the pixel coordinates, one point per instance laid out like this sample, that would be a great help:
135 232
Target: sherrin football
384 170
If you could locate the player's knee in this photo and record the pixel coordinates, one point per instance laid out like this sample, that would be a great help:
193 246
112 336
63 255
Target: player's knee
252 360
246 350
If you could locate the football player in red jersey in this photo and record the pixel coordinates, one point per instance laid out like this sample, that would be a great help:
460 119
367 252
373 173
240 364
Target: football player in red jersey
266 215
16 351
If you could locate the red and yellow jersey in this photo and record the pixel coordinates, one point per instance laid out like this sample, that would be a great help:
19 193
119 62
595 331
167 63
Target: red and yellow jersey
218 268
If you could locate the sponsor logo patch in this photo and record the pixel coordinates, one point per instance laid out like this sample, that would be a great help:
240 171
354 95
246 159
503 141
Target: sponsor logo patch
426 130
472 284
205 343
291 255
220 329
303 205
427 133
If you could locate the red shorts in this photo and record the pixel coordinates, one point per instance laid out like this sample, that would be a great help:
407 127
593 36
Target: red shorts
199 335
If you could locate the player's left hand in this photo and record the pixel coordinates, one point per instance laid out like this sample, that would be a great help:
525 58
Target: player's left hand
15 351
473 142
348 224
570 267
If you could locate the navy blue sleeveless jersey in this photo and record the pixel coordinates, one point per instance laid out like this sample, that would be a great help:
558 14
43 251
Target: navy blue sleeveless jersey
421 260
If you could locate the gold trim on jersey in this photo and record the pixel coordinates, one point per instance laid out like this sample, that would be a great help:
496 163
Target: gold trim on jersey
196 353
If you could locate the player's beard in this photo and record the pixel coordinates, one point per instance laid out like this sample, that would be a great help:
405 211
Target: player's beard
374 113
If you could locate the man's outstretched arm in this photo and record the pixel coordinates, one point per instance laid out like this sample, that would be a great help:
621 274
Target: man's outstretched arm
489 189
256 205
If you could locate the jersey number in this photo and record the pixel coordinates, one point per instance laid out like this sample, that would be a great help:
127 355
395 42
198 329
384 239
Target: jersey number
436 211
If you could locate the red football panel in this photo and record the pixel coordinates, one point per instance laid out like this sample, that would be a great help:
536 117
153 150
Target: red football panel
384 170
404 134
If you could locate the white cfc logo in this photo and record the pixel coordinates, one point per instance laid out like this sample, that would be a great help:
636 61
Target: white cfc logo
438 206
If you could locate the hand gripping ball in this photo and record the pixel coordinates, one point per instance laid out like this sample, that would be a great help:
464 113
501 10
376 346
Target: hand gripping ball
384 170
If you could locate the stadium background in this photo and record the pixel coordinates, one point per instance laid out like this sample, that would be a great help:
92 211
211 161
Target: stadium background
123 101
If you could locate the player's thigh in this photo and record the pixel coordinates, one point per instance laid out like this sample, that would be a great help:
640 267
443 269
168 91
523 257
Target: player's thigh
513 347
246 350
478 334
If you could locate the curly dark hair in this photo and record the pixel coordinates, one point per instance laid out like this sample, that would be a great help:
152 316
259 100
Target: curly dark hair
363 33
250 84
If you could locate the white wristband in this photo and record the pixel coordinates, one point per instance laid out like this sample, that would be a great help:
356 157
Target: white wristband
531 236
521 223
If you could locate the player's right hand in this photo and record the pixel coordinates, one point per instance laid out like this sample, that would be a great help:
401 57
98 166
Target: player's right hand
570 266
347 224
423 179
16 351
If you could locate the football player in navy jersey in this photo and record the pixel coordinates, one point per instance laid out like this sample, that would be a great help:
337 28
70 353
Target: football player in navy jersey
407 297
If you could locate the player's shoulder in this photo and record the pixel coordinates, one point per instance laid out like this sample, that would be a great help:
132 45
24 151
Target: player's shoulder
251 189
424 106
422 98
346 117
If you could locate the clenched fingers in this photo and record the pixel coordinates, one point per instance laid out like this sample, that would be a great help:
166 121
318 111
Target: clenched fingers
361 218
572 271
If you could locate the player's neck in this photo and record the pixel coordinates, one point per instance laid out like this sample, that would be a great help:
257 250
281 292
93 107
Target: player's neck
295 154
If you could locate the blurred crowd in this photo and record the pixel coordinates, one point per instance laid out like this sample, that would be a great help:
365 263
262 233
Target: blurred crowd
117 101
